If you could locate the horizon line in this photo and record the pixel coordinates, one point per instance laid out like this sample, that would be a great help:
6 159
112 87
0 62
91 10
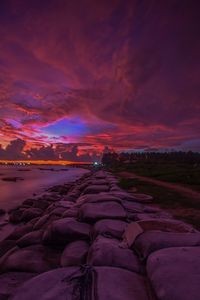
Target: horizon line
45 162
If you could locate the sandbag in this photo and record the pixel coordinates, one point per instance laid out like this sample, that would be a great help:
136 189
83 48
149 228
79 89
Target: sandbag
30 213
74 254
147 216
71 283
175 273
98 182
151 241
44 221
107 252
10 281
92 212
31 238
71 212
58 211
93 189
6 245
133 207
109 228
29 259
123 195
100 175
143 198
66 230
169 225
95 198
20 231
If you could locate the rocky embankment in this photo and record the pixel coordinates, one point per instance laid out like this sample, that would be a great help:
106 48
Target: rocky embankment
93 241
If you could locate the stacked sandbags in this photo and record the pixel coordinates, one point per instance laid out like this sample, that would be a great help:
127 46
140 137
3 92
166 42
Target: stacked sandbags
94 224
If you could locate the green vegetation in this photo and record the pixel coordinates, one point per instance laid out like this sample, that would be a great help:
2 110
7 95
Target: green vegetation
181 173
181 207
175 167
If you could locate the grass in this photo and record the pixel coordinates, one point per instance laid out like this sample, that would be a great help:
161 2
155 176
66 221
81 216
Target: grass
181 207
181 173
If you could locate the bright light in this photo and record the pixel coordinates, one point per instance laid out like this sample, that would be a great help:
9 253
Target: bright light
95 163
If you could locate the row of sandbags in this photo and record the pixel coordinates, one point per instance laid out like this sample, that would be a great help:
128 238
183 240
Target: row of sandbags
92 225
71 233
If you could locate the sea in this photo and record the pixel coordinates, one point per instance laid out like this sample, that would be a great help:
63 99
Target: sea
33 180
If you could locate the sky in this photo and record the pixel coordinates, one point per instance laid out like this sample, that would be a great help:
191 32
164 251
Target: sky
78 77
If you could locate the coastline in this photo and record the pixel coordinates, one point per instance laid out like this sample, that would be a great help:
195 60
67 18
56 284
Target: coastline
6 227
35 182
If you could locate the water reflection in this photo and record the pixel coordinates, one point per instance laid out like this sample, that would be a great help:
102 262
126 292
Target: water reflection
35 180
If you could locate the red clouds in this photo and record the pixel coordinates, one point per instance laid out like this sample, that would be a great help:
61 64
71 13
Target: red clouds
128 68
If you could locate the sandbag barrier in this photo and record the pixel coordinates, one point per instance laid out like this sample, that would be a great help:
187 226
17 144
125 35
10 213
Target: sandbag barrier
91 241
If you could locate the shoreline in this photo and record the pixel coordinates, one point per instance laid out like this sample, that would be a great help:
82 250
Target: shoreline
35 183
7 227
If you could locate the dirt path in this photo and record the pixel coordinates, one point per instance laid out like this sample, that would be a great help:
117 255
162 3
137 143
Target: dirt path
178 188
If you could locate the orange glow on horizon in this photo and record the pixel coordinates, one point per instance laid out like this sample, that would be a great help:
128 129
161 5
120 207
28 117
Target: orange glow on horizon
45 162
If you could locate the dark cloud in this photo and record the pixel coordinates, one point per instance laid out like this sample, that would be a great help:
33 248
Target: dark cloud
128 69
13 151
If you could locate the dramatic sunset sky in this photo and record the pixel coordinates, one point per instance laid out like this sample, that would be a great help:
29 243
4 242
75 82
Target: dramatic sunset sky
81 76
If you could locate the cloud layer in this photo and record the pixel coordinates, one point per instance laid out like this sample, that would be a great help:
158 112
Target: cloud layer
116 73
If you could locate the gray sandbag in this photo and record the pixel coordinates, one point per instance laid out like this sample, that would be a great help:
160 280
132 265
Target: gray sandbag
123 195
92 212
71 212
109 228
30 213
58 211
44 221
147 216
29 259
151 241
142 198
107 252
134 229
10 281
50 285
93 189
175 273
74 254
95 198
99 182
20 231
33 221
15 215
37 203
31 238
71 283
6 245
66 230
133 207
169 225
100 175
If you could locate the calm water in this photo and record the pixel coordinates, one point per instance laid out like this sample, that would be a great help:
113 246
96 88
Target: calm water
35 181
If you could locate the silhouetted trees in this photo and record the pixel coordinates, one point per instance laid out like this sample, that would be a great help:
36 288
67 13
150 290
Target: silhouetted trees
113 158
